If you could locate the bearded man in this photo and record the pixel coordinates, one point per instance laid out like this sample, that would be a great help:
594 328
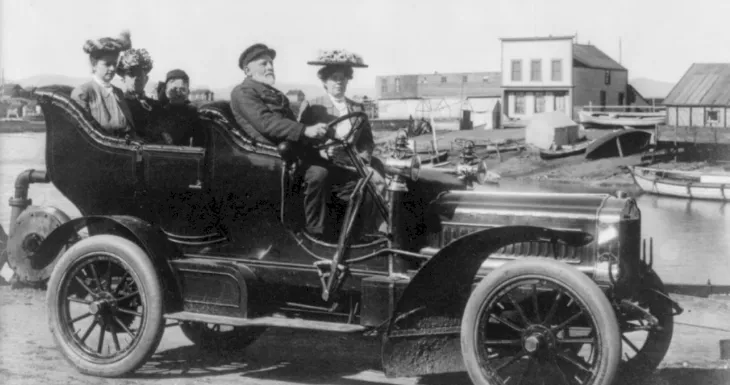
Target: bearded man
263 112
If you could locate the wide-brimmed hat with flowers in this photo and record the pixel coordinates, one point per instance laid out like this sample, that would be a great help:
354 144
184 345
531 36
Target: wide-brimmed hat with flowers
108 44
132 60
339 57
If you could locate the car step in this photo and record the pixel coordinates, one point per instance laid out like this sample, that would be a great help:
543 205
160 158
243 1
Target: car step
282 322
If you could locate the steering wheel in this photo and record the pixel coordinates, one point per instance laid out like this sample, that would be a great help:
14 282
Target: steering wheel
359 120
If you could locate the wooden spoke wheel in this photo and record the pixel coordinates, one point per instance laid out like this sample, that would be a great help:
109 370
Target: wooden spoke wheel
105 306
538 321
645 341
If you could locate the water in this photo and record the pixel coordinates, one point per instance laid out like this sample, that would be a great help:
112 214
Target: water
691 242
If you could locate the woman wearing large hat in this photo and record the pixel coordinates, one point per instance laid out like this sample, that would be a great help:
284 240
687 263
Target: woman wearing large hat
99 97
335 73
134 67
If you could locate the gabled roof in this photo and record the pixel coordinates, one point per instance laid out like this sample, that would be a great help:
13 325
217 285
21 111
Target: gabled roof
592 57
705 84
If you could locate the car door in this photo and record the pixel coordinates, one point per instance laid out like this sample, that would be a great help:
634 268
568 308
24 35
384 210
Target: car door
177 191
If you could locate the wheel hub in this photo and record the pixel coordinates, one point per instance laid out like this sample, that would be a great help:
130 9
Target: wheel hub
537 338
532 343
102 305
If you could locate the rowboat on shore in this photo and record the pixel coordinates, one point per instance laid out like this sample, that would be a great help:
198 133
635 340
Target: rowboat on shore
683 184
625 119
565 151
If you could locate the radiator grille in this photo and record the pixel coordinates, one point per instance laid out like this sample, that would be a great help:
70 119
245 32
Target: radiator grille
522 249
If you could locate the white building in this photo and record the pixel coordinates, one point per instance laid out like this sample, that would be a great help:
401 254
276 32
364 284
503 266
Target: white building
543 74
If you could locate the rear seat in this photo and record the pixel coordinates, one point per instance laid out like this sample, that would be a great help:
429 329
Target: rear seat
220 112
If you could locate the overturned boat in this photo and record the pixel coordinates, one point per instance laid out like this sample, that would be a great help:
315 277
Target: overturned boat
619 143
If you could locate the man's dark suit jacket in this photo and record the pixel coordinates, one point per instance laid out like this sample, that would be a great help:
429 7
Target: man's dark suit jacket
264 114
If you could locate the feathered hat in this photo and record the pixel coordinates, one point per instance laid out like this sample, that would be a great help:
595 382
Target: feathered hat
109 44
134 59
338 57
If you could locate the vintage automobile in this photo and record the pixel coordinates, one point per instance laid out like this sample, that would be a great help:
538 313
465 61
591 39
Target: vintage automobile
503 285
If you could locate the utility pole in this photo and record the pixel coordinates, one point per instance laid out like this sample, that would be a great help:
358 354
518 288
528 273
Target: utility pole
620 52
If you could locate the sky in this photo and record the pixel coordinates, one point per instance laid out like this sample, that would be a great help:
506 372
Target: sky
659 39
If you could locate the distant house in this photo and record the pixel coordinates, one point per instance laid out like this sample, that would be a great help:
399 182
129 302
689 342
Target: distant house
295 96
201 94
543 74
12 90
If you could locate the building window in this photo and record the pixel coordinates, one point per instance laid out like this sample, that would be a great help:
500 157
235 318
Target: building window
485 79
712 116
384 85
520 103
607 77
536 70
397 84
443 79
556 70
539 102
516 70
464 79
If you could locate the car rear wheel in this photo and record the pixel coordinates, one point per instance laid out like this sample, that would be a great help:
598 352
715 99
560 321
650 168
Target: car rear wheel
105 306
511 334
220 337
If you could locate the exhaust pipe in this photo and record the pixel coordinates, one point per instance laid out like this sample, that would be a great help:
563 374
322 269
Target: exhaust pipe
20 201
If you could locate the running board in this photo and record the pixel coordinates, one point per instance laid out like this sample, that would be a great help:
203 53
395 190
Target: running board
280 322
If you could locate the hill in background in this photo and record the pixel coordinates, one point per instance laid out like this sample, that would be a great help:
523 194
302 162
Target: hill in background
652 89
310 90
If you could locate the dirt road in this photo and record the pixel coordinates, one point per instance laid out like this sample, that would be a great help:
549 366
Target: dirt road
28 354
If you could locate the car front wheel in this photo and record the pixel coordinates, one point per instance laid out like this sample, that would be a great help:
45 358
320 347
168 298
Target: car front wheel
539 321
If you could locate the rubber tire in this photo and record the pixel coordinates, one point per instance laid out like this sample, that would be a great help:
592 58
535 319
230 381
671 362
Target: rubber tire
144 274
646 361
576 283
236 339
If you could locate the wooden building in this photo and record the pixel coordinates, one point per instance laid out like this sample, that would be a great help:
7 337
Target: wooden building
544 74
295 96
443 96
697 106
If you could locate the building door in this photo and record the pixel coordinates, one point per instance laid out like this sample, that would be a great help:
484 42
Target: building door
603 98
620 98
559 102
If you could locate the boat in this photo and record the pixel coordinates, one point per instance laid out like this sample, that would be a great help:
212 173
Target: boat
565 150
619 143
621 119
682 184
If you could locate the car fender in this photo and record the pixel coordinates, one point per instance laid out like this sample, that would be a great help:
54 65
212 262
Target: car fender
150 238
423 333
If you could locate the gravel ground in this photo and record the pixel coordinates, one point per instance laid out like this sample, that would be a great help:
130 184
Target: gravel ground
28 354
